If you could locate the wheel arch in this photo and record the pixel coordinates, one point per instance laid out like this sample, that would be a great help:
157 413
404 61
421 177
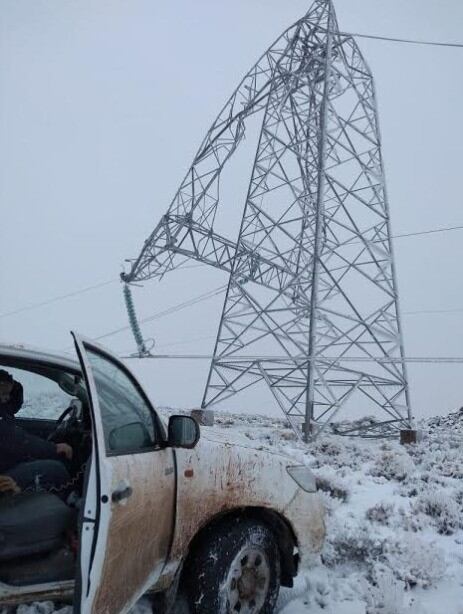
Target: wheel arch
280 526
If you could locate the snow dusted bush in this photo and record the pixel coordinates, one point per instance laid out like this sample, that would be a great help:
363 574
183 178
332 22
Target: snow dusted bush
341 453
459 498
328 452
440 457
393 465
411 520
328 482
415 562
288 435
385 594
444 511
407 490
352 544
431 478
382 513
329 447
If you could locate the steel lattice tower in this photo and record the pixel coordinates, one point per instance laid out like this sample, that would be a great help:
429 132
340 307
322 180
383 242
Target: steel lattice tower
311 307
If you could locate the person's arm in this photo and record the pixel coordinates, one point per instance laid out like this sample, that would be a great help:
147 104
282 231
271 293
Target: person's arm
33 447
17 445
37 447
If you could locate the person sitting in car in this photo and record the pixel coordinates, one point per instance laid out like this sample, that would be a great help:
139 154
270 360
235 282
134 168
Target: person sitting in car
32 462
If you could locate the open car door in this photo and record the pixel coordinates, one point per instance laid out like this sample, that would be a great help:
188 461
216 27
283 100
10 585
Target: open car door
127 518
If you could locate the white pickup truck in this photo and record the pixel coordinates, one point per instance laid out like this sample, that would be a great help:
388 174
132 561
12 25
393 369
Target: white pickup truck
149 507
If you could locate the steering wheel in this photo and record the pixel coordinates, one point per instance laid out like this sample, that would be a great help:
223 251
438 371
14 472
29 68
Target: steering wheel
69 419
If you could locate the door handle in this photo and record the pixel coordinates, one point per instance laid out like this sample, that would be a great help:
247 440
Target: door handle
121 493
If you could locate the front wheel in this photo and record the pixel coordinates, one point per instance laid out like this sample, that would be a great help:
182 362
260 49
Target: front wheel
235 569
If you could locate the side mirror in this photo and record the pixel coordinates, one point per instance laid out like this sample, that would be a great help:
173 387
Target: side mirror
128 437
183 432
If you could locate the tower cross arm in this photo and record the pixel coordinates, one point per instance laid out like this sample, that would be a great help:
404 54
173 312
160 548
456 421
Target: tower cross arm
194 206
193 241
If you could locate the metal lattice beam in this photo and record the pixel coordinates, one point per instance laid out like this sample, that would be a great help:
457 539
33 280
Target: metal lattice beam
311 274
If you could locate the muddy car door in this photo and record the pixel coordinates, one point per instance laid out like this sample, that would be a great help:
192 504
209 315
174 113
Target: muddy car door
128 514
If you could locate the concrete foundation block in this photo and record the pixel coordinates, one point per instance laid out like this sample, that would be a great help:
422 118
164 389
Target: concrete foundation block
205 417
409 436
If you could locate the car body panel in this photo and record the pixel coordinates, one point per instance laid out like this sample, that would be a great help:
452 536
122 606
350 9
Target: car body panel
140 530
223 473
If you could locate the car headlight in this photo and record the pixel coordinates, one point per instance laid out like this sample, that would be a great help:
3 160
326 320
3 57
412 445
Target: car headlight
303 477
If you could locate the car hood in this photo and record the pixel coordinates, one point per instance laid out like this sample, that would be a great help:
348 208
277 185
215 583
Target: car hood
217 436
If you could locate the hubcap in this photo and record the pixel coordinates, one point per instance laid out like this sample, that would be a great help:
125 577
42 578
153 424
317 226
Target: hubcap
248 582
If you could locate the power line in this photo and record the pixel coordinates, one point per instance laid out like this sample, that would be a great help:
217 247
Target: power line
186 341
403 235
62 297
304 359
431 311
166 312
208 337
58 298
426 232
164 346
114 280
401 40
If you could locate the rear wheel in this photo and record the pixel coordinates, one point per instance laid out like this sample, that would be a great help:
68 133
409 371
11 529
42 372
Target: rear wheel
234 570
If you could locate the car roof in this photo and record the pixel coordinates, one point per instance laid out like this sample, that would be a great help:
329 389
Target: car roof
13 354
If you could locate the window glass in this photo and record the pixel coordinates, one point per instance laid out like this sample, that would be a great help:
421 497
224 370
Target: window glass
41 396
128 422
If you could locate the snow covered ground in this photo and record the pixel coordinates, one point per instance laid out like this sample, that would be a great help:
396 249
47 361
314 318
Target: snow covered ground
395 521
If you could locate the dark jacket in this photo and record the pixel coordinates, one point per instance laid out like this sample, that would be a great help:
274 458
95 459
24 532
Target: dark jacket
16 444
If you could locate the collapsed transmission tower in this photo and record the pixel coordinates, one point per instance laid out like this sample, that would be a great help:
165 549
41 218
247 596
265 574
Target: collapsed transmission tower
311 308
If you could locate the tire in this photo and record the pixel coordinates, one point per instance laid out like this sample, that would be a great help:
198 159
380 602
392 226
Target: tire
235 569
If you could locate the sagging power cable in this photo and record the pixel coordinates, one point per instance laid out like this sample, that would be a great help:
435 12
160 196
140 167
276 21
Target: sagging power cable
409 41
166 312
62 297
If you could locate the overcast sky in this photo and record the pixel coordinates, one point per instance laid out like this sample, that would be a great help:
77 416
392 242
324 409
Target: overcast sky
102 107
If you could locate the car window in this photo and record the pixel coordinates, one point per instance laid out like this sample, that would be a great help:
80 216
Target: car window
129 423
42 397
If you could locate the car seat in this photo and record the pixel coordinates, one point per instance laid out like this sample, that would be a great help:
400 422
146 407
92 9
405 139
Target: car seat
32 523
